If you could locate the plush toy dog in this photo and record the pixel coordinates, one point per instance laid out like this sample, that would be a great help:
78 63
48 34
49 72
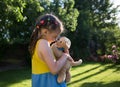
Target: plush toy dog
59 47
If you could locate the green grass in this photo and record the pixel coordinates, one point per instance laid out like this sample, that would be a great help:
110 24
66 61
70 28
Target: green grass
95 75
16 78
85 75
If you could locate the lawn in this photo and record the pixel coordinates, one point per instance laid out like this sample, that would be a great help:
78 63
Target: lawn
95 75
16 78
85 75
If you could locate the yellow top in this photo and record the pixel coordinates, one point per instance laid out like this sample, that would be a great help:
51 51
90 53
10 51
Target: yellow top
38 66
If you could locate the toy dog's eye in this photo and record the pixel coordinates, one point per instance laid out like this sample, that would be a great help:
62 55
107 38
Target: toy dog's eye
57 39
60 41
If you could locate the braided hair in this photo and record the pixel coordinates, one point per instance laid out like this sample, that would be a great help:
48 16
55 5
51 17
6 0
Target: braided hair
47 21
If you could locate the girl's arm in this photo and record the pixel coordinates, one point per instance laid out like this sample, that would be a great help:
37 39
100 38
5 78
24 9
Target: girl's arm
56 52
45 52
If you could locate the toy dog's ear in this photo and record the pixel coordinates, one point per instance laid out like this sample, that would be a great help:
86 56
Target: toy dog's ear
67 41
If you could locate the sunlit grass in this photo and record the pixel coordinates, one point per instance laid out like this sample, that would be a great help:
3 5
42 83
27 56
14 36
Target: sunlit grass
24 83
85 75
95 75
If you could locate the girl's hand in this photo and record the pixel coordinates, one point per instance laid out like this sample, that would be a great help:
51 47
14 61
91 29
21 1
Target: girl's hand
70 58
65 55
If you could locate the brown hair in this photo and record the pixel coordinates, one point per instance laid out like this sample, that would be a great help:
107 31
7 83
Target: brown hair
47 21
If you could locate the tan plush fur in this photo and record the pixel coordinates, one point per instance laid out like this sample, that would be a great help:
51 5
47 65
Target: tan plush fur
64 74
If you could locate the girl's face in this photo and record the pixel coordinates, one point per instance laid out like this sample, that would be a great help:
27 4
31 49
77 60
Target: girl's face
51 36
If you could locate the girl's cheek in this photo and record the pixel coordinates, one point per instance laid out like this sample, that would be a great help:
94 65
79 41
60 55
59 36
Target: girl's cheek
53 39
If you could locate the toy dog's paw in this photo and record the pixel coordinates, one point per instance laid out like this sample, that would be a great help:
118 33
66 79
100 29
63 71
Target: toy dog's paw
80 60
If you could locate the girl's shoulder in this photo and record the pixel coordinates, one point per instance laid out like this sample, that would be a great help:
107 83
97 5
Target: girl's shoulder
42 41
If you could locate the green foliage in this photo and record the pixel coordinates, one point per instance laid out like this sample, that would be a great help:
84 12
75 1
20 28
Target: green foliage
94 17
16 19
84 20
64 9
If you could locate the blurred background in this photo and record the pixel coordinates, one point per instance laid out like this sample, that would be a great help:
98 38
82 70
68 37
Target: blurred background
93 27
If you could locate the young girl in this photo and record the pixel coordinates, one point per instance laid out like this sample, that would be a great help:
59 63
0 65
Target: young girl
44 66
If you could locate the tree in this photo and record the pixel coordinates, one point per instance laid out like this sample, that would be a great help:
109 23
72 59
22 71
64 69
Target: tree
16 17
94 16
64 9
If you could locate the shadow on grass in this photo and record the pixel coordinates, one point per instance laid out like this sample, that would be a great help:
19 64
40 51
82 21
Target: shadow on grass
116 67
14 76
100 84
86 71
88 76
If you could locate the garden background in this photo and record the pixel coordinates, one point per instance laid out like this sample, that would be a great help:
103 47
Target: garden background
90 24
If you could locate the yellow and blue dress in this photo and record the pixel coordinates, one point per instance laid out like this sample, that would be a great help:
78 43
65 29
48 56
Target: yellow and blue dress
41 76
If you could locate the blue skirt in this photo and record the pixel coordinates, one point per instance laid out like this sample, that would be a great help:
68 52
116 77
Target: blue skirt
46 80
